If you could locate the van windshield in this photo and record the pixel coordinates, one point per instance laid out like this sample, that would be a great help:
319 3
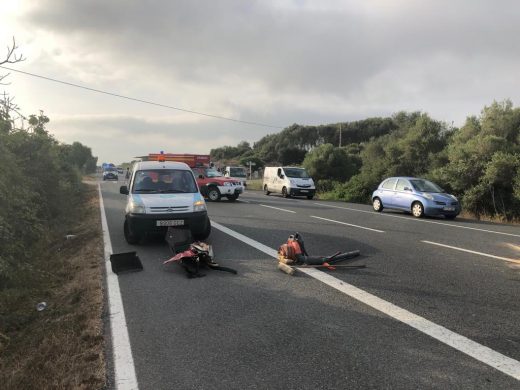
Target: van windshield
298 173
237 172
164 181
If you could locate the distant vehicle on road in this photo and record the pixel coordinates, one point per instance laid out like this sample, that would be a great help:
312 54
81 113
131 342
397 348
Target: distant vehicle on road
288 181
110 173
415 195
120 170
213 185
236 173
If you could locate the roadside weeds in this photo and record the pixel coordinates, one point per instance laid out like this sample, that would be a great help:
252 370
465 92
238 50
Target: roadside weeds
62 346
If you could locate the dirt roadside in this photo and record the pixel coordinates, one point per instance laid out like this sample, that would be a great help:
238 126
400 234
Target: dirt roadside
62 346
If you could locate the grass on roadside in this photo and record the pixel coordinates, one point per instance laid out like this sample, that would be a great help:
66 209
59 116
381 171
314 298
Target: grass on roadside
63 345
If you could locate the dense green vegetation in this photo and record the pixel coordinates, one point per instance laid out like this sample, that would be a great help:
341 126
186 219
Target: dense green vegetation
40 181
480 162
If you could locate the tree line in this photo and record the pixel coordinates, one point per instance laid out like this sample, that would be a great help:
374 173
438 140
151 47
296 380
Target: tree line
40 181
478 162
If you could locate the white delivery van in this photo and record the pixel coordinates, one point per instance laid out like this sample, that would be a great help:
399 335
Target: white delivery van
237 173
288 181
161 194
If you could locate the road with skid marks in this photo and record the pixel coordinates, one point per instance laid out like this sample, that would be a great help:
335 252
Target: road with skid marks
436 307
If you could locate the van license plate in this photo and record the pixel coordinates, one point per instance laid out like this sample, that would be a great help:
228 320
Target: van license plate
172 222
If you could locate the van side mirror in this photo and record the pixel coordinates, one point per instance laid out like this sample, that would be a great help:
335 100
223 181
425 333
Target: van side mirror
407 189
282 176
123 190
201 176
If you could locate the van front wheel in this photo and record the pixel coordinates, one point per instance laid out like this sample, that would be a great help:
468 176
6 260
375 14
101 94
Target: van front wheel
130 237
285 194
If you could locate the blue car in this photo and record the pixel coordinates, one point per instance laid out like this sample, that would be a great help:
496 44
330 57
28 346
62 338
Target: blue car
418 196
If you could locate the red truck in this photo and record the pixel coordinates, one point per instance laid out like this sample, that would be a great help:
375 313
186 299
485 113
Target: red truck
212 184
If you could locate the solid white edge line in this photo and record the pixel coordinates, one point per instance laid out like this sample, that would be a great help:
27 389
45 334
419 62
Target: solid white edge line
277 208
474 252
419 220
471 348
348 224
124 369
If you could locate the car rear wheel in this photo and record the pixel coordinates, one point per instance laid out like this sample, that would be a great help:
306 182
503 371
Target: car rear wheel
417 209
377 205
266 191
213 194
130 237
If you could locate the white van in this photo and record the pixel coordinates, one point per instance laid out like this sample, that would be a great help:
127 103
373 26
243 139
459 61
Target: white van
162 194
236 173
288 181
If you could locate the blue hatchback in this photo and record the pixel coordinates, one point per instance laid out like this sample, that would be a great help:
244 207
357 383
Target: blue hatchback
415 195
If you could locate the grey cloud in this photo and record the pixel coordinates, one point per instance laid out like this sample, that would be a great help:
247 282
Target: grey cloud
284 49
277 62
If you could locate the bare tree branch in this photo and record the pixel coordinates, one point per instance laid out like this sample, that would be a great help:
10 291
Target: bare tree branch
11 58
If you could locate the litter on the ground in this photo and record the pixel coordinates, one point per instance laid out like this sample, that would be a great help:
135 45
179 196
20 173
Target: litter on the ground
125 262
191 255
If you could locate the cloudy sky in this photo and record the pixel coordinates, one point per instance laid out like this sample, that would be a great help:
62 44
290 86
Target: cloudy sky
275 62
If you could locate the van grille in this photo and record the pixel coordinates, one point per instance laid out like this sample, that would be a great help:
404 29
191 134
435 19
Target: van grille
169 209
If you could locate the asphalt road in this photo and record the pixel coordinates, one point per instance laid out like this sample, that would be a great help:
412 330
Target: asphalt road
263 329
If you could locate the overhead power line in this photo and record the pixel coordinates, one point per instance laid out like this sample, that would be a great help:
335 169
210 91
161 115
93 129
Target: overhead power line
142 100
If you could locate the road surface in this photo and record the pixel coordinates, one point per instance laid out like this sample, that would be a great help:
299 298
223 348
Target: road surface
436 307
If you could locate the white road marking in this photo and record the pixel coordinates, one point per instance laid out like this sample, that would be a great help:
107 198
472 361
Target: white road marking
277 208
474 252
477 351
348 224
419 220
124 370
245 239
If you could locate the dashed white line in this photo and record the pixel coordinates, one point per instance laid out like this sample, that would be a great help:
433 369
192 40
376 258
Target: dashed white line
124 370
348 224
473 252
418 220
471 348
277 208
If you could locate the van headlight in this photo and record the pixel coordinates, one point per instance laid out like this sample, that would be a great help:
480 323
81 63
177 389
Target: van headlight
136 207
199 205
227 184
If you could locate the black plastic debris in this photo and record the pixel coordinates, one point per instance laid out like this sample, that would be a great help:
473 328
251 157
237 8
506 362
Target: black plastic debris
125 262
179 239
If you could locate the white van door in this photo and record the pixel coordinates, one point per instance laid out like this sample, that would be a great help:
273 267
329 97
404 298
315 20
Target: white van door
279 181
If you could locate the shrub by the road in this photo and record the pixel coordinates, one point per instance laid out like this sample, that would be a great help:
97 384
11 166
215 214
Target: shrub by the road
42 199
